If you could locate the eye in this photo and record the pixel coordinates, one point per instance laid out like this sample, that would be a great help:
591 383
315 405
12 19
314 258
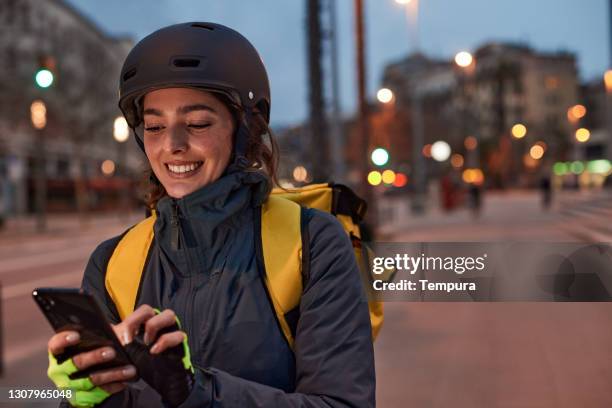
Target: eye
199 125
153 128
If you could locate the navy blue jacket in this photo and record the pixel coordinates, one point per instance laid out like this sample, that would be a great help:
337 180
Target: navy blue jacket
212 282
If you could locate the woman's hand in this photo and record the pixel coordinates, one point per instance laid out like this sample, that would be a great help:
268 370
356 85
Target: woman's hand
153 321
161 355
85 392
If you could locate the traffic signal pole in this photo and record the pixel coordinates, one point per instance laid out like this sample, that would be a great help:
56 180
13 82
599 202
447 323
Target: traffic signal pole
41 183
319 154
362 118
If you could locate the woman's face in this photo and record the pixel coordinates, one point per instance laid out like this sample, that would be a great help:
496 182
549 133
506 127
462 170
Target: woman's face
187 138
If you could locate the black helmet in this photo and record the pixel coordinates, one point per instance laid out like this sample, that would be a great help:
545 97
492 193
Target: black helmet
203 55
200 55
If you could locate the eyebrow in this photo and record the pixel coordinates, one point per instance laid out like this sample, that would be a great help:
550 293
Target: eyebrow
182 110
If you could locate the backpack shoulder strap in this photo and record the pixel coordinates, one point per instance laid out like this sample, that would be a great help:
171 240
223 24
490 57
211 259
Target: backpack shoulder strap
279 253
125 267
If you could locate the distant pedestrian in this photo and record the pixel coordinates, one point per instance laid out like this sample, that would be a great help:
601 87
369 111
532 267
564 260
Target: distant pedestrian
475 199
546 189
447 191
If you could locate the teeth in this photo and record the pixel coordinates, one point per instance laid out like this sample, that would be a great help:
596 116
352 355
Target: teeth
184 168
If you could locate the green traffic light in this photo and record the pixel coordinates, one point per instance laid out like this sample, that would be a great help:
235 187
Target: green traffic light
44 78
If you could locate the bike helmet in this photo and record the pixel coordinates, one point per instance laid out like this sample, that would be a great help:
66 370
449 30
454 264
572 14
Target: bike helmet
206 56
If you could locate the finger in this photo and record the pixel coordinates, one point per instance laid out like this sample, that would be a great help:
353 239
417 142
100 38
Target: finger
167 341
113 388
90 358
59 341
129 326
115 375
156 323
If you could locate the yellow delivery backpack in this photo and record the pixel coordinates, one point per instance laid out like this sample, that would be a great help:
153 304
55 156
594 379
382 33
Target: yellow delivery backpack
281 251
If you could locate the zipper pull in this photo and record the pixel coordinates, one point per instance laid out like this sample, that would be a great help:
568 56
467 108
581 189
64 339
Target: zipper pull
175 231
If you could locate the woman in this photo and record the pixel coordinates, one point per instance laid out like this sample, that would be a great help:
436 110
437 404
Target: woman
198 99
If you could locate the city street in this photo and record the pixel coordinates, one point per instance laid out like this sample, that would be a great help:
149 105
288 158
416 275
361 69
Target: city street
428 354
500 354
30 260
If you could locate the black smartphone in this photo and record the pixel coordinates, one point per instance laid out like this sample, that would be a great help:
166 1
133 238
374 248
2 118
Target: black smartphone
75 309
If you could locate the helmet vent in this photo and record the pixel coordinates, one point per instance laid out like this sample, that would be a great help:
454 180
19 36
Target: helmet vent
186 62
204 26
129 74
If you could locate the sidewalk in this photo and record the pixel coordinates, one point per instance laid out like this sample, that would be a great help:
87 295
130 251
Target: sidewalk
23 228
498 208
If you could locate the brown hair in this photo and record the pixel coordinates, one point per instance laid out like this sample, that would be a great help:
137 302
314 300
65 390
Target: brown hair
262 155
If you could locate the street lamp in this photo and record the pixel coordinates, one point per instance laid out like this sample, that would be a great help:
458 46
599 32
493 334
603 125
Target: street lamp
519 131
583 135
384 95
380 156
121 131
107 167
38 114
464 59
300 174
608 80
440 151
411 8
536 152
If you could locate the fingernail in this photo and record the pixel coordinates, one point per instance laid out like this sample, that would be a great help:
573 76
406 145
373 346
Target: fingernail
108 354
126 338
154 349
72 337
129 371
146 339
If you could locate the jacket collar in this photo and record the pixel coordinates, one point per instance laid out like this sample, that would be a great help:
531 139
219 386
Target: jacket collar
219 200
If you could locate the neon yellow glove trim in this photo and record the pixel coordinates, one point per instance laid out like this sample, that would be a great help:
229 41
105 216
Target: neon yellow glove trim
84 393
187 354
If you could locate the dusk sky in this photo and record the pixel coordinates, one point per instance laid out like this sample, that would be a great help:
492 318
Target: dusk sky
277 29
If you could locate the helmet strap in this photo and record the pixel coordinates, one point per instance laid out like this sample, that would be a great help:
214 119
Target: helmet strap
241 143
138 138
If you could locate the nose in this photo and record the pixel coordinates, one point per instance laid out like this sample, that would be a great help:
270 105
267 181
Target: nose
177 140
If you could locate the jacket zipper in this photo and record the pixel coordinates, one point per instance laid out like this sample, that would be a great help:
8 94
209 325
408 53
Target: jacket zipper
175 232
175 242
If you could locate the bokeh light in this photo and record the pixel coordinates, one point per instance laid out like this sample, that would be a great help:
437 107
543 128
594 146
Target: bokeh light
388 176
374 178
583 135
440 151
108 167
519 131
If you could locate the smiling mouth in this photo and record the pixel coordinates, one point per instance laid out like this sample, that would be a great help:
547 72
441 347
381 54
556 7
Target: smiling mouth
183 170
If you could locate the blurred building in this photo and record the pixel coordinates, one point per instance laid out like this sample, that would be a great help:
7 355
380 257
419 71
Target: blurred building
416 79
81 105
506 84
596 101
514 84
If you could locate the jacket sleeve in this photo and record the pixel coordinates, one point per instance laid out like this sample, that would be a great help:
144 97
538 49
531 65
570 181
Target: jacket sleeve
333 343
94 277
